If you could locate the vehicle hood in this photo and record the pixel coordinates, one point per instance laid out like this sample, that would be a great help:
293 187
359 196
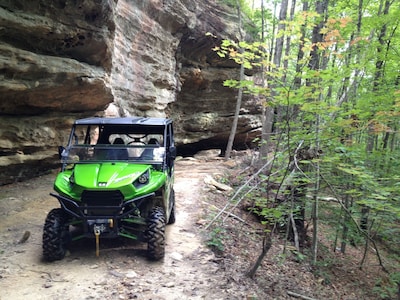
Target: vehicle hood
107 175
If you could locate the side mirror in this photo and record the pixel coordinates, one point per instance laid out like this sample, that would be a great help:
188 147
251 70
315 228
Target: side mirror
61 149
172 152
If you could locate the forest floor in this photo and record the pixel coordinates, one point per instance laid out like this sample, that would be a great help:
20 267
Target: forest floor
190 269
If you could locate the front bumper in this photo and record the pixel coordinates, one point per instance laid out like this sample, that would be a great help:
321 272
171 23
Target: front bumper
109 221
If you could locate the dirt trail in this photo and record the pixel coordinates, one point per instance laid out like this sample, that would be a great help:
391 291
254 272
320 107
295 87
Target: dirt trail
189 270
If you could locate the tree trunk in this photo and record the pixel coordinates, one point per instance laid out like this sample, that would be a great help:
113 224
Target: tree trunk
300 53
315 64
346 221
231 139
379 66
267 244
269 111
232 134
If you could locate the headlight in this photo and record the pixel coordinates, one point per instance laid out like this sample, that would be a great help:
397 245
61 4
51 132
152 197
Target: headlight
142 179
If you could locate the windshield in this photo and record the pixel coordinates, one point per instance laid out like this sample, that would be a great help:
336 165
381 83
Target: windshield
98 143
101 153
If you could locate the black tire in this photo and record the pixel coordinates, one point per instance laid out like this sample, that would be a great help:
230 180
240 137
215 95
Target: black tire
171 219
156 234
55 235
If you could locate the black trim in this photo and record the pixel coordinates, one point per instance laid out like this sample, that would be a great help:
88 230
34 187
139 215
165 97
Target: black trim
78 211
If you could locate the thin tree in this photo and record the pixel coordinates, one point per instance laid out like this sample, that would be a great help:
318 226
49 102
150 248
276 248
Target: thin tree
268 110
240 92
321 8
378 78
267 129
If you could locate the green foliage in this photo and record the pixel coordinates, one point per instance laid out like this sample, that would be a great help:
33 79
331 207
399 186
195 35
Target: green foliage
388 290
347 110
215 239
299 257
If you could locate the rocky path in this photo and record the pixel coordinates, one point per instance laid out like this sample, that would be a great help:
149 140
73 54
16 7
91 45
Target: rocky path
189 270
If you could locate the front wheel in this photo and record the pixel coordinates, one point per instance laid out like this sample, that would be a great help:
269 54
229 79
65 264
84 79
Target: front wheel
55 235
156 234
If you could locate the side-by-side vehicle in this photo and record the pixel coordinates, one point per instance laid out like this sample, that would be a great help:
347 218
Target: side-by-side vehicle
116 181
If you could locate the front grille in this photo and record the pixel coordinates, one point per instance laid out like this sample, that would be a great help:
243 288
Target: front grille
102 203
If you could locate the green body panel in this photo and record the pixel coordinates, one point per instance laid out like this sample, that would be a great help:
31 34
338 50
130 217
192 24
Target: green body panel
108 176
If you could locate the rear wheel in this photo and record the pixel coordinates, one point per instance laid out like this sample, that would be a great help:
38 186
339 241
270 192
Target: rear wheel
55 235
156 234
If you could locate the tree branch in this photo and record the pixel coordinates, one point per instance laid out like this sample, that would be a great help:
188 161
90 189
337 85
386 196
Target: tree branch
299 296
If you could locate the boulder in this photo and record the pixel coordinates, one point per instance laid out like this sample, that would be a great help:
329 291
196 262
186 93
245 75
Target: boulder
62 60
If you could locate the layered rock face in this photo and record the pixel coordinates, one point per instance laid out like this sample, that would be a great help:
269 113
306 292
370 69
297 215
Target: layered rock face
66 59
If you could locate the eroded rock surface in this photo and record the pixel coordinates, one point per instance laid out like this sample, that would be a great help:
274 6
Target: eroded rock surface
62 60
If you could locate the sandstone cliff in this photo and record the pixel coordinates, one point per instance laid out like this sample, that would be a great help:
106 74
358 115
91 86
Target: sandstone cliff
66 59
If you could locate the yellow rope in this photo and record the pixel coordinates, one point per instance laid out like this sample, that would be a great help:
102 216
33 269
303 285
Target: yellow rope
97 234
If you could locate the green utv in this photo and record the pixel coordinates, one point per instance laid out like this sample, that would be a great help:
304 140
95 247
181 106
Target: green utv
116 181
